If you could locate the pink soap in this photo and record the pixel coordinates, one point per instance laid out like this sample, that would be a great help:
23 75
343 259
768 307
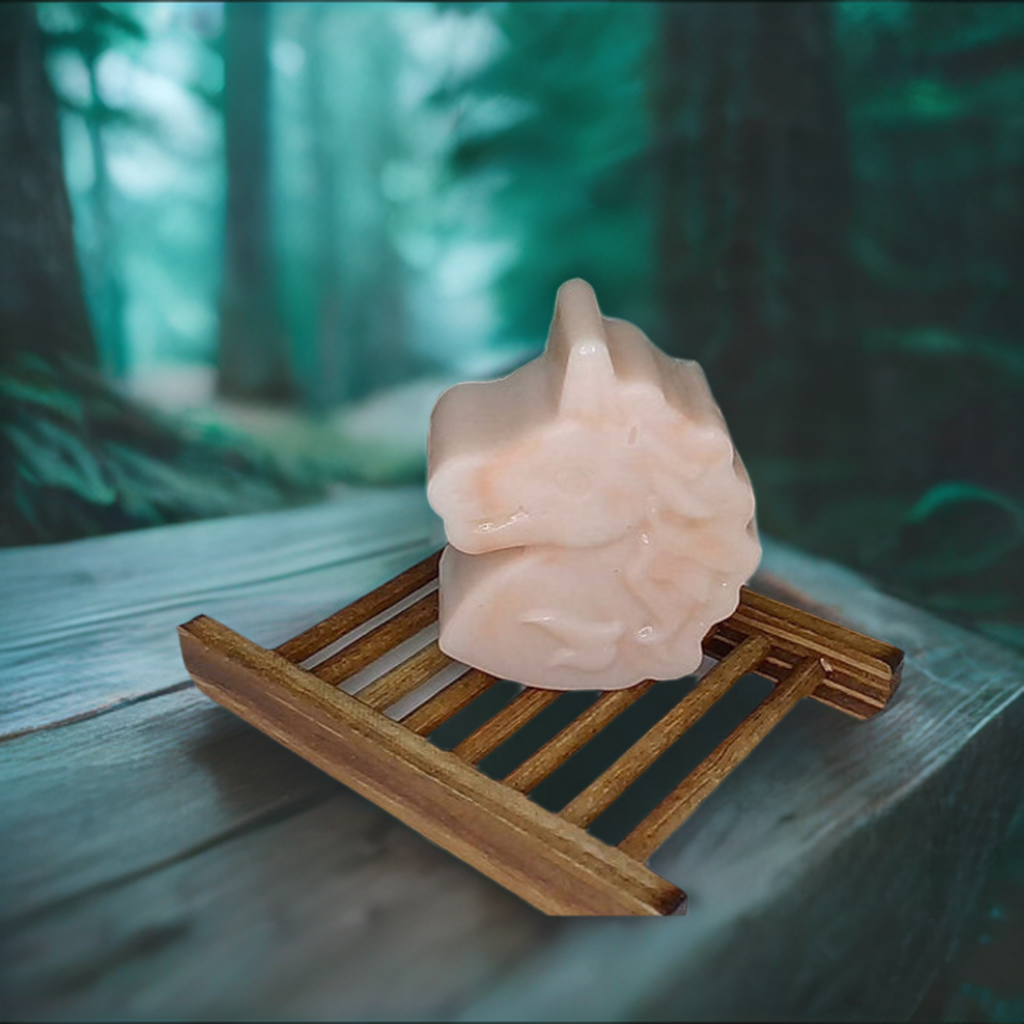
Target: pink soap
599 519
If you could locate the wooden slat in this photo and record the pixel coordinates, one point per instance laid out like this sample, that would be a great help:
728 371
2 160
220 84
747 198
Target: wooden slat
854 700
557 867
611 783
337 625
433 713
539 765
367 649
520 710
404 678
711 772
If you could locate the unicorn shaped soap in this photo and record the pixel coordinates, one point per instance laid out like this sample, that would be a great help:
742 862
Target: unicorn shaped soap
598 516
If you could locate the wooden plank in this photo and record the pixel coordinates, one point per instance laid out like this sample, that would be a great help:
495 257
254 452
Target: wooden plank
449 702
814 847
304 913
123 793
403 679
293 914
94 622
317 637
367 649
614 781
712 771
174 862
523 708
550 863
581 730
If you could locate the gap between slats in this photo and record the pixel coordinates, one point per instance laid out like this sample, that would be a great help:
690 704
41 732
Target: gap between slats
354 635
688 795
553 754
406 677
377 642
523 708
614 781
344 624
433 713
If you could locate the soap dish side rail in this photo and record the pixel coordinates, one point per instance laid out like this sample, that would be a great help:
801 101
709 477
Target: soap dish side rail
292 693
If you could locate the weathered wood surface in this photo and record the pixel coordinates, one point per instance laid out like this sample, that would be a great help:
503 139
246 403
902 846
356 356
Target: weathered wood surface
162 859
104 605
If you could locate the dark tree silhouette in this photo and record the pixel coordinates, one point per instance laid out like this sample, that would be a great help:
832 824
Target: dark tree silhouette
332 353
754 187
41 296
94 29
253 358
354 338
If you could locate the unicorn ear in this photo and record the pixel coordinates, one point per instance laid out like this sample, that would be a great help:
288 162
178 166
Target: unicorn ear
578 344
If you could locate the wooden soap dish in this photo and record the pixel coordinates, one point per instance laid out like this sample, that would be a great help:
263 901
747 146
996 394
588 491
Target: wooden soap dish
546 858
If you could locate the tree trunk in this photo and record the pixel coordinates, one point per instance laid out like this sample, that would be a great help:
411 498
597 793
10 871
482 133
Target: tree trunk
754 186
253 360
359 333
110 293
41 298
332 346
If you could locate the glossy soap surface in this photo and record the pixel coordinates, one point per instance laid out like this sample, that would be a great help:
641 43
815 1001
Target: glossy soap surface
598 516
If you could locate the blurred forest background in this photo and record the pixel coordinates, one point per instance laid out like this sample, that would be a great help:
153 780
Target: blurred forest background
246 246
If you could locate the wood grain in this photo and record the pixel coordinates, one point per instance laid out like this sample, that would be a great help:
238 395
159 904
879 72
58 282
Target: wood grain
367 649
862 672
161 837
552 864
144 772
404 678
581 730
712 771
433 713
524 707
175 863
614 781
314 639
93 623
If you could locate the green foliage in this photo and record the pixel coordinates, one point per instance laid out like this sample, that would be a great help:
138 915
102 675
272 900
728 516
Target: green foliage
89 30
960 550
959 529
556 129
78 459
938 154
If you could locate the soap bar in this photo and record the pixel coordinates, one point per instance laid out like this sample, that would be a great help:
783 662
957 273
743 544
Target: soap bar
599 519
